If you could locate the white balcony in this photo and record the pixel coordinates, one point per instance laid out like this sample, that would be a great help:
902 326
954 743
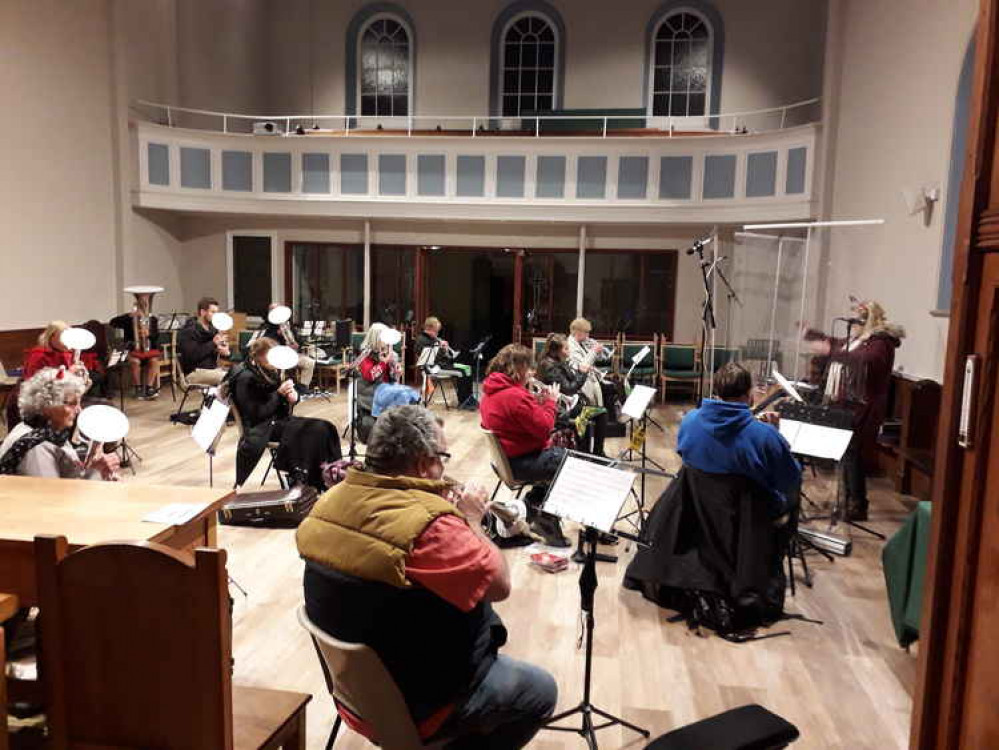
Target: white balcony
647 177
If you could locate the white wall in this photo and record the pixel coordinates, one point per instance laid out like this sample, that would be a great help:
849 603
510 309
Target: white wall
56 194
890 128
773 53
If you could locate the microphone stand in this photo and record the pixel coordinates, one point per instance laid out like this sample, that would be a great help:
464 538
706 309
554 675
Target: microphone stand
731 296
708 322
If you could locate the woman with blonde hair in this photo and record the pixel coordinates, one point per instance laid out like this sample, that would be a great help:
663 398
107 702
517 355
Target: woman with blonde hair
857 377
50 352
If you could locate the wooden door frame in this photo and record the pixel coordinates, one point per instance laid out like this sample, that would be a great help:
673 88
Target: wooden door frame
959 501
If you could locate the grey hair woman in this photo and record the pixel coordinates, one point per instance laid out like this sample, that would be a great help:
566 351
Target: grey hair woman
40 446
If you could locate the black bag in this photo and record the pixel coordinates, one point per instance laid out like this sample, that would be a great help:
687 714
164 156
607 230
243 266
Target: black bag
279 508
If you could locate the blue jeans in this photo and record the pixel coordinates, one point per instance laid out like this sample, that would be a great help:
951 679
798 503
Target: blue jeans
505 711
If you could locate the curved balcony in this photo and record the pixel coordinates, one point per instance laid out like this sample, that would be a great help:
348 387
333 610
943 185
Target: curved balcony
608 172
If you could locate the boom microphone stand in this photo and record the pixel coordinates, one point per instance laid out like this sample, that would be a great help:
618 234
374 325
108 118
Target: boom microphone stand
708 322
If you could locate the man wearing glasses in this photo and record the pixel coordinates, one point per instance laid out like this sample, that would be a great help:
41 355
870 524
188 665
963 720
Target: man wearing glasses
396 558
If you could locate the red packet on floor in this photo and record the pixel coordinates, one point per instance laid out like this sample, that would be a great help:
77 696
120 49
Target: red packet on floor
549 562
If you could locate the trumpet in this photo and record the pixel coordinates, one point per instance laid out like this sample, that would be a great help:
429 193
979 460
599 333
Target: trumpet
511 516
566 403
591 356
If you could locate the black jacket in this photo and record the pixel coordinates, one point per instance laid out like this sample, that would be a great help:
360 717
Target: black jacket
424 340
127 326
551 371
196 347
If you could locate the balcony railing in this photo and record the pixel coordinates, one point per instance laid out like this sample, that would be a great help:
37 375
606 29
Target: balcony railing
530 126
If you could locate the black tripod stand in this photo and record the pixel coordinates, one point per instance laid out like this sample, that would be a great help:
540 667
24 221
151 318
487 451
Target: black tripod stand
587 588
352 376
472 402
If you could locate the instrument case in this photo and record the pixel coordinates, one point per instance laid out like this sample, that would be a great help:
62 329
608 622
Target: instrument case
282 508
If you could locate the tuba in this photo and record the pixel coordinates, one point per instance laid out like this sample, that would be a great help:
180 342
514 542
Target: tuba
142 316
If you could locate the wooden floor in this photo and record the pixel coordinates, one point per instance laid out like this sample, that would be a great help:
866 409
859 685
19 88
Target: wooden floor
845 684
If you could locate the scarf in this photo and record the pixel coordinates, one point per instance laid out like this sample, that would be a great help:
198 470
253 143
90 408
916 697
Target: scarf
13 457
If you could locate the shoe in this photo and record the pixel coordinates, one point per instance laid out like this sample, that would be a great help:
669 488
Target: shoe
509 542
550 528
152 392
139 393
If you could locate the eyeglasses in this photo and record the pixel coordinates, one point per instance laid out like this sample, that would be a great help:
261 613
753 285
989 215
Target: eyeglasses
444 456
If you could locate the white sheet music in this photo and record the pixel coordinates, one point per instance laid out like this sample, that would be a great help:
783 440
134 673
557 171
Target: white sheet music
638 401
175 514
815 440
210 423
589 493
787 386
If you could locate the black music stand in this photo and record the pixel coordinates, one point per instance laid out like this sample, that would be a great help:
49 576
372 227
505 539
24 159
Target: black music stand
472 402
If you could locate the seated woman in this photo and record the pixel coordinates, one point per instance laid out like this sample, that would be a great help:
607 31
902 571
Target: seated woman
377 365
523 424
50 352
554 368
40 445
141 331
264 404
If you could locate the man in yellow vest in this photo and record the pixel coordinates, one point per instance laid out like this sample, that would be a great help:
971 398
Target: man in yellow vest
397 560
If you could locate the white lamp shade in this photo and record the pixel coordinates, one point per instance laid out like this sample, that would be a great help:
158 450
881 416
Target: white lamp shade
104 424
77 339
222 321
280 314
390 337
282 357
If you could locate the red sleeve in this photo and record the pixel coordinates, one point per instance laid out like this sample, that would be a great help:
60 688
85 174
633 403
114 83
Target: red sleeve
536 419
454 562
33 362
371 370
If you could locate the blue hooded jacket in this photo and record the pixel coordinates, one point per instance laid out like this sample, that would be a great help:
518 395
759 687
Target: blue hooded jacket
723 437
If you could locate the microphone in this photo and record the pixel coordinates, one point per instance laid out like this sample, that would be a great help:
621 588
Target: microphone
851 321
700 244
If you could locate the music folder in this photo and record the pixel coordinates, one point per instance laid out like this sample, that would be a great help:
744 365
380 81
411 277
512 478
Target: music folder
588 492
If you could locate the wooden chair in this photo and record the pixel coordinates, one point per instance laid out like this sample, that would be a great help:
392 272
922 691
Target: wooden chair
167 345
359 682
185 387
8 607
678 364
138 653
501 465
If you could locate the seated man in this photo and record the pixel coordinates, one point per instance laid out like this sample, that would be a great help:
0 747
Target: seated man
430 337
723 437
398 560
200 344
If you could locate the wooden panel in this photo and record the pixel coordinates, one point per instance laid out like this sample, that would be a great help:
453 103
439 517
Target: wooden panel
14 343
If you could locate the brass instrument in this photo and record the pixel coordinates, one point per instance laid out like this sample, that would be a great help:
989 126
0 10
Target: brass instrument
142 315
287 334
591 356
566 403
510 515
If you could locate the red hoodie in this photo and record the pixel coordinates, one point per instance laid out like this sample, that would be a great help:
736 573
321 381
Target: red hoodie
522 424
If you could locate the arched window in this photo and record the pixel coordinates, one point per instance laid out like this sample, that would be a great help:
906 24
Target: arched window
528 65
385 82
682 51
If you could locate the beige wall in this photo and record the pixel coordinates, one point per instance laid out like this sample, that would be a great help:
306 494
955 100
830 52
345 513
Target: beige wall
890 128
56 194
773 53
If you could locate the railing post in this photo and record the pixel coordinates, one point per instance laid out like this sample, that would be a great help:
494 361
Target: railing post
409 126
225 123
287 125
346 125
537 126
783 117
169 118
475 125
605 127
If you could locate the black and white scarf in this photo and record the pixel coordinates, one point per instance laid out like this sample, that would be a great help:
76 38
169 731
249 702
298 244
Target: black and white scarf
13 457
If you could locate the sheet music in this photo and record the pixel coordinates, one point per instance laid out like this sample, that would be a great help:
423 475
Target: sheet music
638 401
786 385
589 493
175 514
427 357
815 440
209 426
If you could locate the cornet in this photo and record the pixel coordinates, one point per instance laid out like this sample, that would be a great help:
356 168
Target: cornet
566 403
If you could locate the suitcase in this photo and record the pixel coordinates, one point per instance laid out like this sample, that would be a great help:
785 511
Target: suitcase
280 508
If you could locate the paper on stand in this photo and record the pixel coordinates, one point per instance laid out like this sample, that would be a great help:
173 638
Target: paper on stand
638 401
815 440
209 425
589 493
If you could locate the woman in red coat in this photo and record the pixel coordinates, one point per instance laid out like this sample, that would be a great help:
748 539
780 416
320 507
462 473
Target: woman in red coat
523 423
50 352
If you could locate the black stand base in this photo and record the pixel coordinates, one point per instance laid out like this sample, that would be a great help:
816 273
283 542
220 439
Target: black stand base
586 709
579 556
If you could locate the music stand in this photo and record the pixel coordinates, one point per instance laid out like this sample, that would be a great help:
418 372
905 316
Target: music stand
593 500
472 402
207 431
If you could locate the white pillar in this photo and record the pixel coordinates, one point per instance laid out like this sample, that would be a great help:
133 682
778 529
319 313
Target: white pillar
367 274
580 277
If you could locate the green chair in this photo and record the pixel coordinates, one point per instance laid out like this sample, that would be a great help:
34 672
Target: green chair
723 356
679 365
538 347
648 369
